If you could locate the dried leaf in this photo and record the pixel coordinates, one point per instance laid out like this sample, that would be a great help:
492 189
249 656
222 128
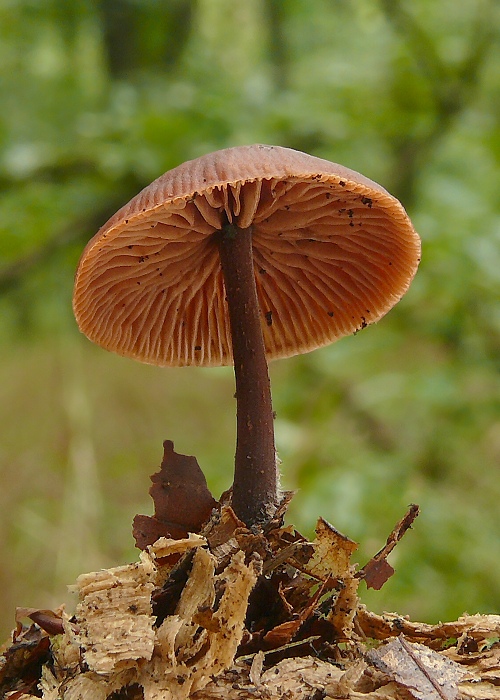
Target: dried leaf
181 497
21 663
332 553
49 620
146 529
424 673
377 571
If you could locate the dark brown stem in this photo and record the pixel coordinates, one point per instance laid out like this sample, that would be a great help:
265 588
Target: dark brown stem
255 485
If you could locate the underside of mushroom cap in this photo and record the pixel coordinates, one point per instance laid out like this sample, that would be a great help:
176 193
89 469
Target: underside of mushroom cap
333 252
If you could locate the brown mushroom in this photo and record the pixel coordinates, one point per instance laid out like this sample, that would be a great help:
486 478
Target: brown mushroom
246 254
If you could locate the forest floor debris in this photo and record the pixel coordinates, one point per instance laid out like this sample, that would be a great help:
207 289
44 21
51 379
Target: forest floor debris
233 612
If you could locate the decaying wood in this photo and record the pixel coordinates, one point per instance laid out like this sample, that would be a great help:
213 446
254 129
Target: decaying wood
476 627
112 642
242 615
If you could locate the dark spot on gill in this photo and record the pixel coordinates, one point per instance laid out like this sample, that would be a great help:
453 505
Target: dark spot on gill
269 318
362 325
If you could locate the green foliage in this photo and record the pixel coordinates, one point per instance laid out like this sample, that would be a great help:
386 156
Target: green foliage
98 98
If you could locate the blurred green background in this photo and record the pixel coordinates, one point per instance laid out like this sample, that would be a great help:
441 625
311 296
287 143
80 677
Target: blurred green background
98 98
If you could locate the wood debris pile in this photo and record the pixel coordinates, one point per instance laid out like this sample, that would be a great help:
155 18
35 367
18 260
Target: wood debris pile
232 612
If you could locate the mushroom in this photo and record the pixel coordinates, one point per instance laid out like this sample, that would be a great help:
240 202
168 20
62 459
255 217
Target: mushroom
240 256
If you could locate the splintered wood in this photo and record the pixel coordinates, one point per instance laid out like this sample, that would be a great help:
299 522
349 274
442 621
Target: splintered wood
120 646
117 601
239 614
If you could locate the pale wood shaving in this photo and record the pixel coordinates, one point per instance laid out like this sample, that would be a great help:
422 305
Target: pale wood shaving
164 547
113 617
114 636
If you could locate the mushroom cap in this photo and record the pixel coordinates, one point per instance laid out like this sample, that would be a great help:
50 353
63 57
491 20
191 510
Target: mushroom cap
333 252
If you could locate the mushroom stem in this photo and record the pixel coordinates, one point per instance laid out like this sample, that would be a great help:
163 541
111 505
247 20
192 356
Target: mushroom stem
255 487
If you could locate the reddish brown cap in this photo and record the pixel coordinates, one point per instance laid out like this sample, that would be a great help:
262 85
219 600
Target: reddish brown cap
333 252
